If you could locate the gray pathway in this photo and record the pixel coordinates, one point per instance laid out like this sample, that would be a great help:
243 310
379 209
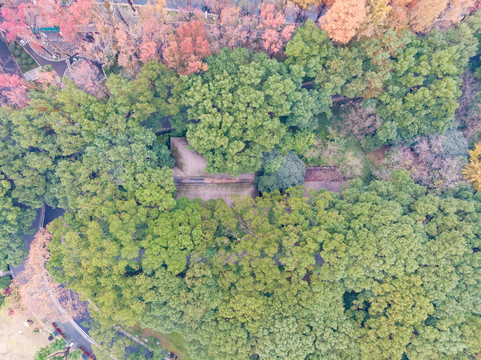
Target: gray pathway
58 66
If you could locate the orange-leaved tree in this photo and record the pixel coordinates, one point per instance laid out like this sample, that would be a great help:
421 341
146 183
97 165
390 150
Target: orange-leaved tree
423 13
343 19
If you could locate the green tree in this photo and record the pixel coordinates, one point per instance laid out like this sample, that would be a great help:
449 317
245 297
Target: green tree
237 99
280 172
15 221
312 56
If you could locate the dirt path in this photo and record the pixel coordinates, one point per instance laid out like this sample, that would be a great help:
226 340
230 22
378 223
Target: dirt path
15 345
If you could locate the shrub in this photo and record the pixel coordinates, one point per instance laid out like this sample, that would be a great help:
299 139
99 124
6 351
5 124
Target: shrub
24 67
352 165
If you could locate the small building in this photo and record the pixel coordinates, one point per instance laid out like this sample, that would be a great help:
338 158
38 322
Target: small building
193 181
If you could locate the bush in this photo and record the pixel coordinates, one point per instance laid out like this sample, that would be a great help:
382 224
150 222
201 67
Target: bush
352 165
24 67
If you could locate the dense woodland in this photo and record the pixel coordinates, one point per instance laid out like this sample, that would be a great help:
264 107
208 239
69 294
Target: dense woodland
390 268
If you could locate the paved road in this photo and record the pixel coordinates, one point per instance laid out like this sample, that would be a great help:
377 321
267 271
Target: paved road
58 66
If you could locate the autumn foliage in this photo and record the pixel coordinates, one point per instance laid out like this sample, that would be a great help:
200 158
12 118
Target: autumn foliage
86 76
472 171
14 89
343 19
275 34
38 292
233 29
152 31
186 47
14 22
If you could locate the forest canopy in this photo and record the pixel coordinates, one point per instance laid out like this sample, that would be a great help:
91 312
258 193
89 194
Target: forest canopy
373 100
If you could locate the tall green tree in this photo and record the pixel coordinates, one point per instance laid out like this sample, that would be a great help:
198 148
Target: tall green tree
14 222
239 98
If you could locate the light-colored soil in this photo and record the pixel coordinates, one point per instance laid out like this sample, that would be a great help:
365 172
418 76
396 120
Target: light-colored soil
15 345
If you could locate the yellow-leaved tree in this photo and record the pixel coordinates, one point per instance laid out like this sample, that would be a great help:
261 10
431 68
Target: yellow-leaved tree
472 172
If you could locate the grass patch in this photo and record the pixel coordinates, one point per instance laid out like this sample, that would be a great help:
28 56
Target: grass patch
172 342
23 58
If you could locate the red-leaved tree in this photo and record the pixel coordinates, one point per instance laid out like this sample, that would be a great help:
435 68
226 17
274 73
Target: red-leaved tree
47 13
14 89
48 78
87 77
14 23
150 46
37 290
186 47
233 29
275 34
78 15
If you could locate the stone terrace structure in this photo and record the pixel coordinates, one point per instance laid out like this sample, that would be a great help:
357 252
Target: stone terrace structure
192 180
324 177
